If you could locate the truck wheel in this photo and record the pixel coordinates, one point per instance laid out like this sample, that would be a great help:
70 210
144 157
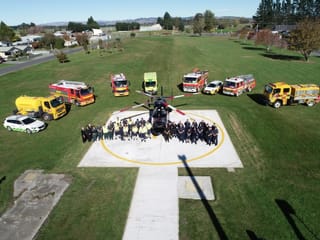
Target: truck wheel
9 128
277 104
28 131
46 117
310 103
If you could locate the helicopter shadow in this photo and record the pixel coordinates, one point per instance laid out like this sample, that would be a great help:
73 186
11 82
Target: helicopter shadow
214 220
292 218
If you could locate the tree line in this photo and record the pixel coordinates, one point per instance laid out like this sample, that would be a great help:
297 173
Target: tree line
286 12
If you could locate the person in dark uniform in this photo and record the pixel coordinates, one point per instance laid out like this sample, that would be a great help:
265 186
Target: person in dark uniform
83 135
215 135
181 132
89 132
94 133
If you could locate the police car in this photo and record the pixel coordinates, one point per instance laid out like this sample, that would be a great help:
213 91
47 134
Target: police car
213 87
21 123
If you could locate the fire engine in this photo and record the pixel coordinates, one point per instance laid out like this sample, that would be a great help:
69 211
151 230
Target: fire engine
195 81
280 93
119 84
237 85
77 93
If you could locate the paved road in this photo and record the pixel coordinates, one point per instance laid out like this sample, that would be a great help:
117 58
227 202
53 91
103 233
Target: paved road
38 60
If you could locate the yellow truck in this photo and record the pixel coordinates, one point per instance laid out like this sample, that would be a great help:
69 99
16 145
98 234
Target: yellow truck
280 93
47 108
150 83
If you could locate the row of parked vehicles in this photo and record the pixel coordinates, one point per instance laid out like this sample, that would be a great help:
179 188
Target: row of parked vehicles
62 93
80 94
275 94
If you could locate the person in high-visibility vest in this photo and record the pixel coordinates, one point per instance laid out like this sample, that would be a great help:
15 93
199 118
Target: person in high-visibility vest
149 126
105 131
143 132
125 132
134 132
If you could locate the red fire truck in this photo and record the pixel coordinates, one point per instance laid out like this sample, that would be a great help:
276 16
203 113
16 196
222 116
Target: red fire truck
195 81
237 85
77 93
119 85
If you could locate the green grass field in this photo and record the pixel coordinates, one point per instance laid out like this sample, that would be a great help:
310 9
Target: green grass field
279 148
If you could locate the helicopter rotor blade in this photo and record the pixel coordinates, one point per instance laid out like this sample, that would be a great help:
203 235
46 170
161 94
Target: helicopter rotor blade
182 95
128 108
146 94
175 109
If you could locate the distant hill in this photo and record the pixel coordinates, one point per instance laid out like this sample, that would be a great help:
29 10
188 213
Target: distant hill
142 21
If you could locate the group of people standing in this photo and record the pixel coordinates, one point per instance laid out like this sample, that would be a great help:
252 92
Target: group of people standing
125 129
140 130
192 132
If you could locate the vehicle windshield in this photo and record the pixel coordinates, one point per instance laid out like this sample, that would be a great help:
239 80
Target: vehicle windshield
229 84
268 89
56 102
86 91
28 120
121 83
190 80
212 85
150 84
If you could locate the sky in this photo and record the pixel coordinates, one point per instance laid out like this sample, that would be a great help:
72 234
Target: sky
15 12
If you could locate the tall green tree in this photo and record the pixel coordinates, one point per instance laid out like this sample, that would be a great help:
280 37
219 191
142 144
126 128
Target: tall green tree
167 21
198 24
6 33
77 27
209 20
91 23
306 37
264 16
178 23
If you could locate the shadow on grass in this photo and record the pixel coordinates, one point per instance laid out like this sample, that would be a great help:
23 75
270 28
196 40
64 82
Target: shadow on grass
212 215
180 87
2 180
291 217
282 57
254 48
253 236
258 98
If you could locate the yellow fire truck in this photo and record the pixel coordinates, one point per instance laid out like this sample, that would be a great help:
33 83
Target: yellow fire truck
280 93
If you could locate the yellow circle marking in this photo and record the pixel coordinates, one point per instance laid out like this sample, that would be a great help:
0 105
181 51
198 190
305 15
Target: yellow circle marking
169 163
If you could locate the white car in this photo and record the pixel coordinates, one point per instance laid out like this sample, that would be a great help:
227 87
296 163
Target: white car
21 123
213 87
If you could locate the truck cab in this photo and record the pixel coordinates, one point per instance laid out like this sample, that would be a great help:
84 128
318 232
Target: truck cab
277 94
119 85
150 83
195 81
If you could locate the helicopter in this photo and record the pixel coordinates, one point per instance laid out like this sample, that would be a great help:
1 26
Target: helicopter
159 110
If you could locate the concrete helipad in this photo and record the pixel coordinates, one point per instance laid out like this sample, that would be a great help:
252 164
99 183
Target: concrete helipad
154 212
157 152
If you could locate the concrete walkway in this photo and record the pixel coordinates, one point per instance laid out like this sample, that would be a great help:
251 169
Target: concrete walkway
154 210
